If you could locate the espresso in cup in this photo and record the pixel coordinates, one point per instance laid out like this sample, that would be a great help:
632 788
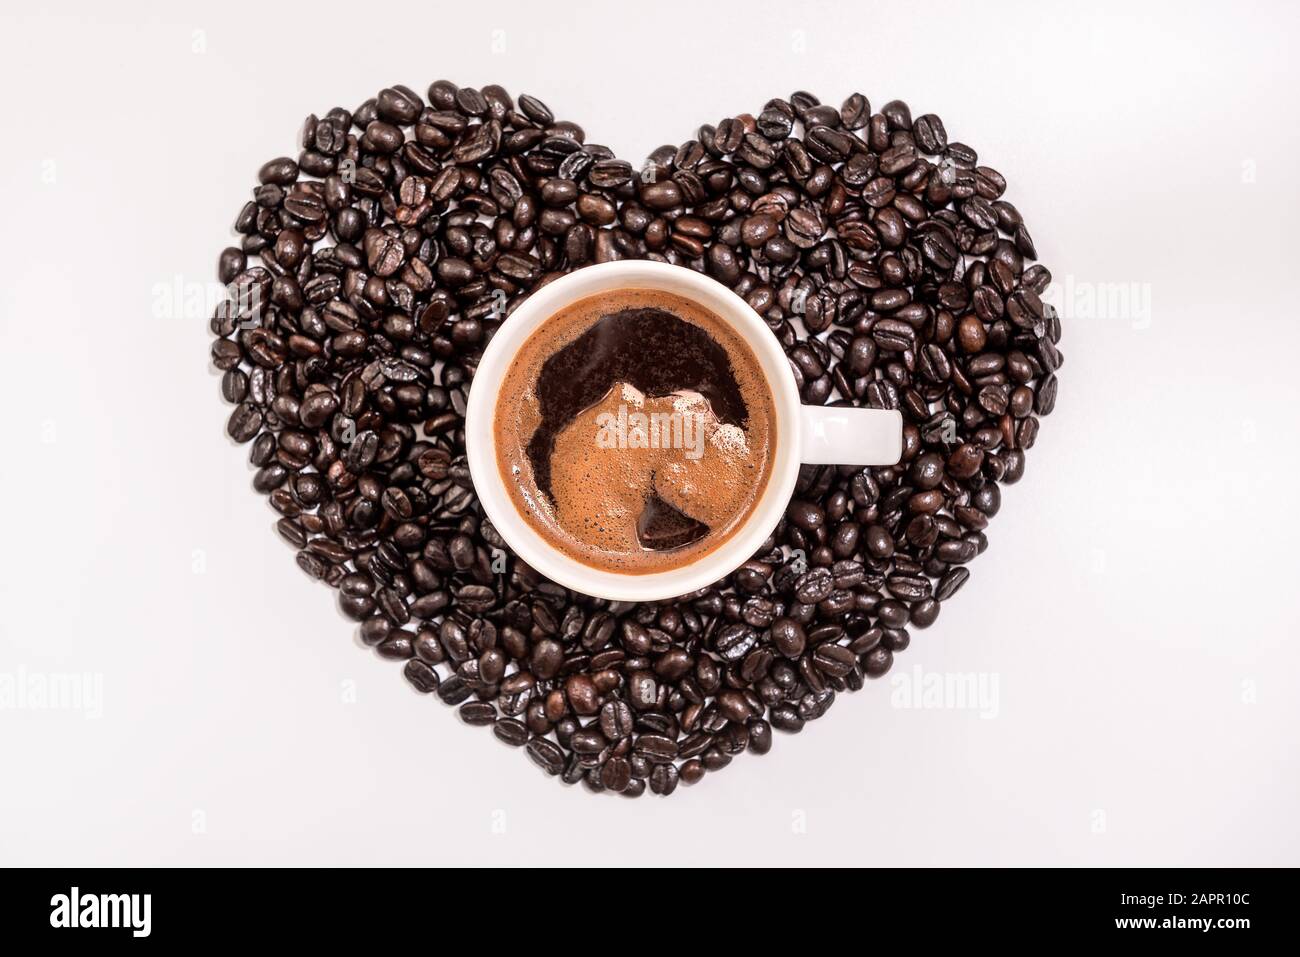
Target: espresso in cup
634 431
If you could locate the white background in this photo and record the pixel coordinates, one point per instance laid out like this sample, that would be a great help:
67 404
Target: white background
1137 605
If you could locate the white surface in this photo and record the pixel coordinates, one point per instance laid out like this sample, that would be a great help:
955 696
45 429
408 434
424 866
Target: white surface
1137 605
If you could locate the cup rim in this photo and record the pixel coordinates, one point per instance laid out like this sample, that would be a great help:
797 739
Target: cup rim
480 437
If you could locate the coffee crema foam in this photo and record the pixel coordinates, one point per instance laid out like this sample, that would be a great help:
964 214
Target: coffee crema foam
654 468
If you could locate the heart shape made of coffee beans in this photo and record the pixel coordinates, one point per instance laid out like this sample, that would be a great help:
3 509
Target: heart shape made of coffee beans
372 270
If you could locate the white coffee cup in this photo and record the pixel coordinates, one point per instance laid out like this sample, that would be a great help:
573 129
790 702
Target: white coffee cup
819 435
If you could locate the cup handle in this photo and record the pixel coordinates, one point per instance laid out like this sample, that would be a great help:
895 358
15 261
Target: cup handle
846 435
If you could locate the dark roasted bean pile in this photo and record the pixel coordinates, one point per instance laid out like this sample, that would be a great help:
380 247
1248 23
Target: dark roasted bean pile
372 269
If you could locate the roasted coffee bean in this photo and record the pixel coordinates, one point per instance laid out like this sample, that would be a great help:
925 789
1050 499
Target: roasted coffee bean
923 613
421 675
586 741
734 706
664 778
880 544
890 265
511 731
834 660
814 586
477 712
244 423
616 775
955 551
950 583
546 755
785 717
643 690
656 748
454 690
616 720
1045 399
877 661
965 461
788 636
734 642
582 694
908 587
806 515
